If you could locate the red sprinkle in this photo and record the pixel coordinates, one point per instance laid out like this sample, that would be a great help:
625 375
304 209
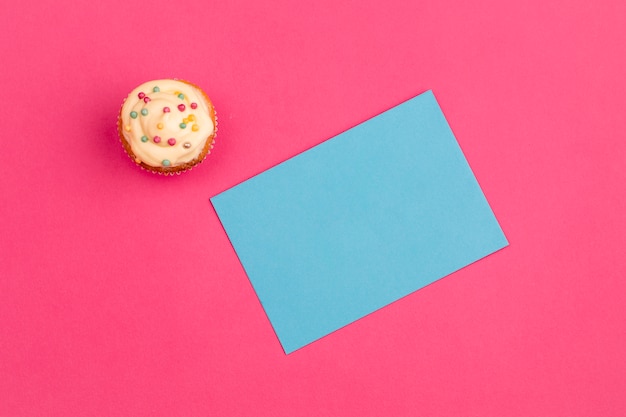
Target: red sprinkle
166 109
146 99
141 95
157 139
171 141
181 107
194 105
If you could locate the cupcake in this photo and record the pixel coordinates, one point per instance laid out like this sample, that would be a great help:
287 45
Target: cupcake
167 126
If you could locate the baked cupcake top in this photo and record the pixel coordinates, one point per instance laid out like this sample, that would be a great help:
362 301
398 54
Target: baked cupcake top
167 123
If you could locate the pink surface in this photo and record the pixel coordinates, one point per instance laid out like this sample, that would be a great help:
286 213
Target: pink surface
121 295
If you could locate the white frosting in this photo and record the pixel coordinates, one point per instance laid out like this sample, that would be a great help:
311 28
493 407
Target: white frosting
190 140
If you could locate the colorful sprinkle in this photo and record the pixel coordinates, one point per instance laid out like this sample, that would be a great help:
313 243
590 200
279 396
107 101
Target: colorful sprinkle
182 125
194 105
146 99
192 118
156 139
187 145
181 96
195 128
159 125
166 109
166 162
156 89
144 139
141 95
133 114
171 141
127 128
181 107
144 112
186 120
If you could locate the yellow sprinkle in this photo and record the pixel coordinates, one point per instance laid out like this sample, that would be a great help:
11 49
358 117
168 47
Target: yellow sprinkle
137 160
186 120
195 128
127 128
160 126
176 93
192 118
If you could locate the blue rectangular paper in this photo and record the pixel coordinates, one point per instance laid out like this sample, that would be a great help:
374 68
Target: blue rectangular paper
358 221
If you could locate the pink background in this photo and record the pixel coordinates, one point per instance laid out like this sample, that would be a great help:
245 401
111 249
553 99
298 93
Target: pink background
121 295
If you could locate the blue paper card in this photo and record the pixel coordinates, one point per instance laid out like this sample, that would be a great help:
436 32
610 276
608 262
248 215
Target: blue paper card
358 221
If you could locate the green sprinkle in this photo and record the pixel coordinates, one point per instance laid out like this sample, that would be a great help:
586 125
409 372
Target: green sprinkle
133 114
144 138
166 162
182 125
156 89
144 112
181 96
